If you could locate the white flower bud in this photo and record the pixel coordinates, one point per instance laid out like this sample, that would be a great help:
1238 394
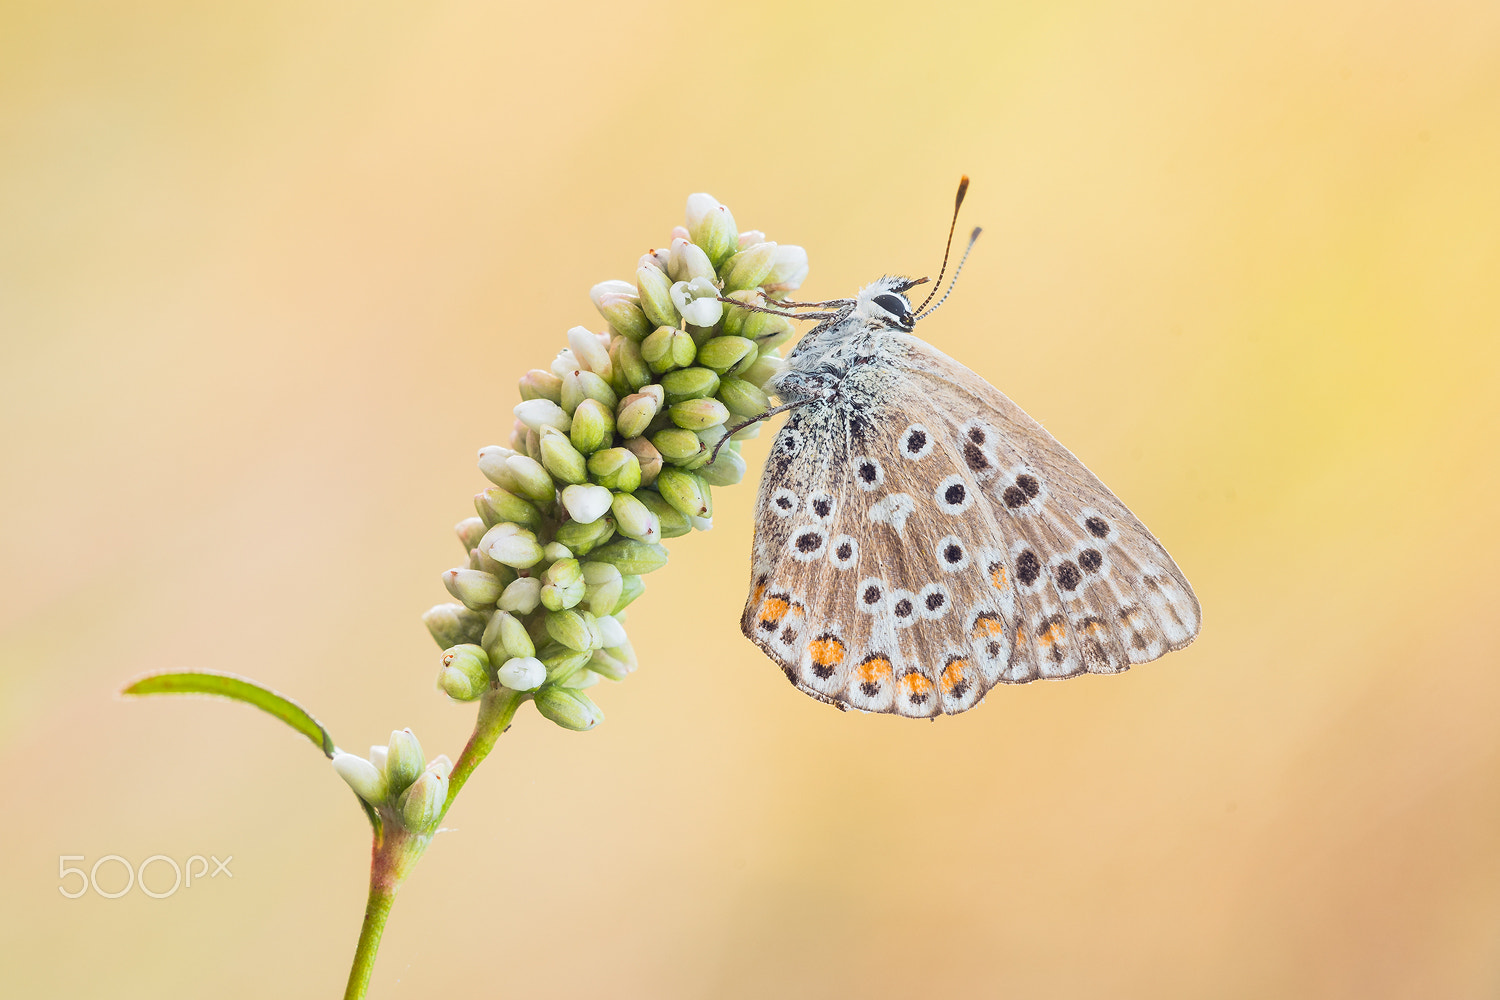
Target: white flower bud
522 596
522 673
613 287
377 757
699 205
564 362
788 270
539 413
364 777
586 504
688 261
612 631
586 347
511 545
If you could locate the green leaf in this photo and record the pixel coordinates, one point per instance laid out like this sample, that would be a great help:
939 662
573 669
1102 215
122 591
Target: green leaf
240 689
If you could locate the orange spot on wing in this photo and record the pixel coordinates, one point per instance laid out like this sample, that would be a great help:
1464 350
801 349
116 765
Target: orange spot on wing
1052 634
758 593
953 673
826 652
914 685
987 626
874 670
774 609
998 576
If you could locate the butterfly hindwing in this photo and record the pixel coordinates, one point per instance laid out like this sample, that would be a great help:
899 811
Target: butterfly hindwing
934 540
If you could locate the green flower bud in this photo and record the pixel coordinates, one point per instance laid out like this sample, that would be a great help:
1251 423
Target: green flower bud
603 586
689 383
591 352
522 596
698 414
634 519
496 505
687 261
631 557
562 585
622 311
505 637
607 666
422 805
580 385
744 399
767 329
726 470
724 354
476 589
403 760
734 316
464 675
649 458
712 227
582 537
569 628
656 296
365 778
522 673
539 413
685 491
673 521
511 545
677 445
631 370
749 268
539 384
492 466
568 708
767 365
560 458
586 504
668 348
616 468
532 480
635 414
470 530
633 587
451 624
562 662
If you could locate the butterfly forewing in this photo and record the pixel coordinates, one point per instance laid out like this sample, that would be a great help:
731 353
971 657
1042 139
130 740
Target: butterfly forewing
927 540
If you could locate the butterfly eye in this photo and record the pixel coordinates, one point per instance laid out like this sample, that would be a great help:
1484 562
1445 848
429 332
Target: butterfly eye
897 307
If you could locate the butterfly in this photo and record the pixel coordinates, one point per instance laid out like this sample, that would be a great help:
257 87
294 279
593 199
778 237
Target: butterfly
919 538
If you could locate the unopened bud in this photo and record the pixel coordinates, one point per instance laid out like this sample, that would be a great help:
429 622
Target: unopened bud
569 628
622 311
492 466
649 458
568 708
712 228
496 505
766 367
789 270
668 348
677 445
742 398
673 521
561 459
748 268
631 370
630 557
475 588
632 587
522 596
689 383
582 537
698 414
634 519
726 354
470 530
615 468
586 503
422 805
539 413
451 624
532 480
726 470
464 675
522 673
363 776
589 350
582 384
505 637
540 384
767 329
655 290
511 545
403 760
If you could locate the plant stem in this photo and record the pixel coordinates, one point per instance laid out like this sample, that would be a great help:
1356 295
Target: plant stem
395 852
384 881
496 710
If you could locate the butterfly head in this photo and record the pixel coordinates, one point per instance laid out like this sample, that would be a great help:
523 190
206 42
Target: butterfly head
884 303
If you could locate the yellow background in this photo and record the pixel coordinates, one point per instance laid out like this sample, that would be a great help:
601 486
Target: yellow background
268 273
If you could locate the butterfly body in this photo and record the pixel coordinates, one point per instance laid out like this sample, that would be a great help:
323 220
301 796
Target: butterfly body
920 539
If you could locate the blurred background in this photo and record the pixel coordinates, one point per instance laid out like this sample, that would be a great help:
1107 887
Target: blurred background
269 272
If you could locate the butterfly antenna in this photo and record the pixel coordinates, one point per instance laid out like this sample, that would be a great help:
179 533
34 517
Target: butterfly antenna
973 237
963 189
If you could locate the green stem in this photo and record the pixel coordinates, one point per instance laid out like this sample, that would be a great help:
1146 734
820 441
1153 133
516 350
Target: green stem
496 710
385 879
395 852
